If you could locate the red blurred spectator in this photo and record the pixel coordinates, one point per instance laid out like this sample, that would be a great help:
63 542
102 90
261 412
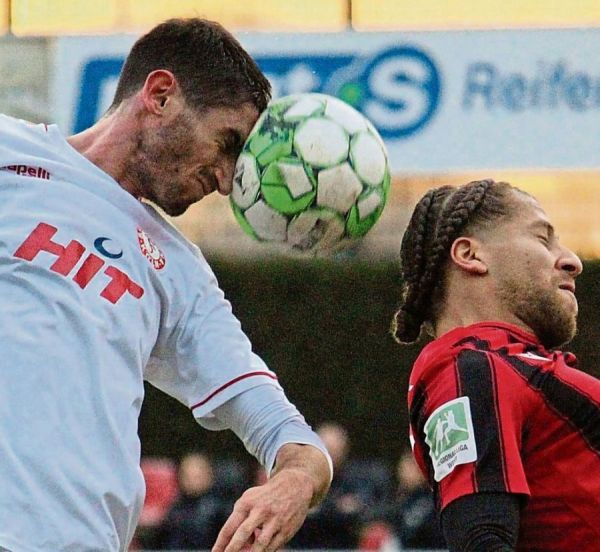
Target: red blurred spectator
160 475
199 511
376 535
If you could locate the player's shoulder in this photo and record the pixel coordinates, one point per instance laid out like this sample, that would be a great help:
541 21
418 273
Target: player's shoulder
475 346
22 137
169 230
189 256
10 124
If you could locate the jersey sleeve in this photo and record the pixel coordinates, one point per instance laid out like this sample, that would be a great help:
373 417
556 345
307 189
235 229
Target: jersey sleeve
204 358
467 421
265 420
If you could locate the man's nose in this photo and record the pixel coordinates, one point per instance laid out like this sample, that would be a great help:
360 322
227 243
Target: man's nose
224 177
570 262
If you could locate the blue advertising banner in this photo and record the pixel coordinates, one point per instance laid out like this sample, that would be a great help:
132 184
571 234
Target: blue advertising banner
442 101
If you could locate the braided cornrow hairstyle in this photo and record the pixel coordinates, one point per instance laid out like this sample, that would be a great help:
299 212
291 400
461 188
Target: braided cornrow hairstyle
440 217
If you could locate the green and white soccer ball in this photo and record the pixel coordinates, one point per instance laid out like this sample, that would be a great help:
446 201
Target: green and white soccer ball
313 174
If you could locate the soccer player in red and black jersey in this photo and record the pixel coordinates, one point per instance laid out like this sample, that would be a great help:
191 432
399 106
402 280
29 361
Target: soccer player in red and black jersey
503 424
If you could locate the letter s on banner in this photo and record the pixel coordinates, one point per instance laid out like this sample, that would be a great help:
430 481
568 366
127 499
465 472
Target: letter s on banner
404 85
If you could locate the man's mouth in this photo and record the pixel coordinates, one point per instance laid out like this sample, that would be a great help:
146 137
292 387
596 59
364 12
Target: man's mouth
568 286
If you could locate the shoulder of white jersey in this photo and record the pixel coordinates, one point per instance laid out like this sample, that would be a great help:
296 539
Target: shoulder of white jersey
16 124
20 138
167 226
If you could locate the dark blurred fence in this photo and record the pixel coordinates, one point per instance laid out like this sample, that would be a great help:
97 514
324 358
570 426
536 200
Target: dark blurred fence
323 326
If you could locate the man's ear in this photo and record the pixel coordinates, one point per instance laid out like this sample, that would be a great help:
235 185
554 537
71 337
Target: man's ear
465 254
159 90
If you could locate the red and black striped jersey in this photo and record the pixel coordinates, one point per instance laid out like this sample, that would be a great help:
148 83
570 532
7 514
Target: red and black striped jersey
492 410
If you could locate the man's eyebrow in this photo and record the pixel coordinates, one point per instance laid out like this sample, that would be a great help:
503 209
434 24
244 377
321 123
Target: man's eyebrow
543 224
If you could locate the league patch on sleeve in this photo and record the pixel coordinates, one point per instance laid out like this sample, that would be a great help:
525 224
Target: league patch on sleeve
450 437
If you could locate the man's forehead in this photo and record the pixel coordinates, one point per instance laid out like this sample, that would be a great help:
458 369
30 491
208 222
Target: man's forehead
240 117
221 118
527 209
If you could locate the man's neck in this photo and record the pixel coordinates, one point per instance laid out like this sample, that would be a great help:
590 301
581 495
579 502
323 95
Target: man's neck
450 321
109 144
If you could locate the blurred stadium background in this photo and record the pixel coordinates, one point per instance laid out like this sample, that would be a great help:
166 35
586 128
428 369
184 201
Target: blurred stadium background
460 90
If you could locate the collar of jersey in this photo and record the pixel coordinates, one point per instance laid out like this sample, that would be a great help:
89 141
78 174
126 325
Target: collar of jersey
444 346
455 335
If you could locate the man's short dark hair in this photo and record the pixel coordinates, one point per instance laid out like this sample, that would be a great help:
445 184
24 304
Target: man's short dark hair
210 65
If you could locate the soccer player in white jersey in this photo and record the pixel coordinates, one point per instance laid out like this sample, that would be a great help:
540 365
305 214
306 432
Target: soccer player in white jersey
100 293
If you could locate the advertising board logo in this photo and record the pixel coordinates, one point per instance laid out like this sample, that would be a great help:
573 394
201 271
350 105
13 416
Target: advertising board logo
398 88
98 76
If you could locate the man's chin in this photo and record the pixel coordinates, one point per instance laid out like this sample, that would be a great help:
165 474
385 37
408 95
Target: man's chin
558 335
175 210
553 322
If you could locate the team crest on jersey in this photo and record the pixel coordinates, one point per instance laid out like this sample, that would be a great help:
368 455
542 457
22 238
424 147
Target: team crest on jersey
151 250
450 437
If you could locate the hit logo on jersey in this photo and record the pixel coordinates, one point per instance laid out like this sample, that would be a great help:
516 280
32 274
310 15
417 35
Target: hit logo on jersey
40 239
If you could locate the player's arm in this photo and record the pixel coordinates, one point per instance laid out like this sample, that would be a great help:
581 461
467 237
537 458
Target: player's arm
468 442
272 429
203 358
308 461
486 522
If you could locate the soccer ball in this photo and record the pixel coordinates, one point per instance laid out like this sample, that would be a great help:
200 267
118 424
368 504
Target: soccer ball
313 174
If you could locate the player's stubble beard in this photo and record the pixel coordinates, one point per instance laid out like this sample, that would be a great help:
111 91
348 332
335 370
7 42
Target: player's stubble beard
541 309
156 164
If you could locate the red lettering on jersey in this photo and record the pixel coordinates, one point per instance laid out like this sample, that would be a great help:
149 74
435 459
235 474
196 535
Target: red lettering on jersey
40 240
88 270
119 284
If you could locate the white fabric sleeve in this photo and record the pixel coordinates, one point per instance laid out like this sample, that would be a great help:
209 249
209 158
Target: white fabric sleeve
202 356
265 420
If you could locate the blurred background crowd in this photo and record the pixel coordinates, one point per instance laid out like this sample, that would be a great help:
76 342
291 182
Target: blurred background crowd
372 505
459 90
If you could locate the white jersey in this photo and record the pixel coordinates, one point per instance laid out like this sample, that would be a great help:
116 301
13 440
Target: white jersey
98 293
